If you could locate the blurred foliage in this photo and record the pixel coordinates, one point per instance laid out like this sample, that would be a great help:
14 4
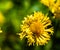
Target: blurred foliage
13 12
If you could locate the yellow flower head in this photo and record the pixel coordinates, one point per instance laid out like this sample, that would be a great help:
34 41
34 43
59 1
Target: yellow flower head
54 6
36 28
56 9
0 30
2 19
47 2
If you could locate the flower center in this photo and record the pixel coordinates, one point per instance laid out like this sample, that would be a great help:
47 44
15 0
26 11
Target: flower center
36 28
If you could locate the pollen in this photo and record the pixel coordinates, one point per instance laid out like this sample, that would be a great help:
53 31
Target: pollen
36 29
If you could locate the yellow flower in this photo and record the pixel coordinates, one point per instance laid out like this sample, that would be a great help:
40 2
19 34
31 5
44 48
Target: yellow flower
54 6
56 9
47 2
0 30
50 3
2 19
36 28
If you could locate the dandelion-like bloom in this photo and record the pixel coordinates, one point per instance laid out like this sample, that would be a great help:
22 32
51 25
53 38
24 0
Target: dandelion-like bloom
54 6
36 28
47 2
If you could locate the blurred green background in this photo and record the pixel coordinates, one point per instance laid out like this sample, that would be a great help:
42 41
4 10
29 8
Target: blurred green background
12 13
